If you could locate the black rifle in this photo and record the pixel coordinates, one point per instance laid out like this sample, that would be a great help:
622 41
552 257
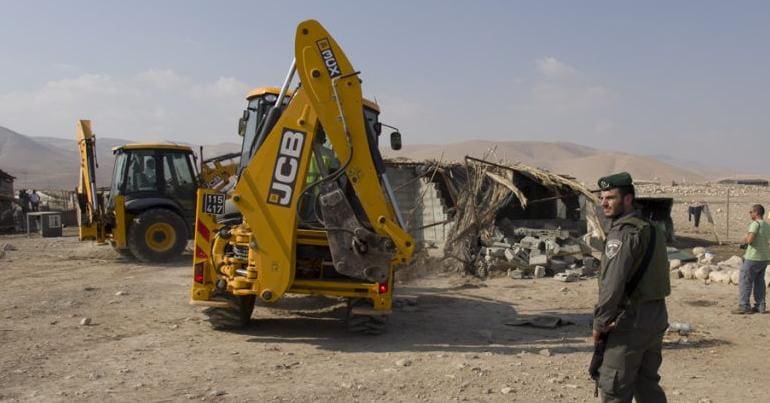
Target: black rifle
598 358
596 361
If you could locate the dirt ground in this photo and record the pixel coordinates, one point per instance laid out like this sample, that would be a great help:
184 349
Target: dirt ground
144 342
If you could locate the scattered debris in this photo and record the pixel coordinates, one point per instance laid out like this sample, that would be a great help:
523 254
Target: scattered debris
545 352
565 277
85 322
120 293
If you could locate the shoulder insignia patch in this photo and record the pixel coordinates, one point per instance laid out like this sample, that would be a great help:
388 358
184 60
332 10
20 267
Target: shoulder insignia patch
612 248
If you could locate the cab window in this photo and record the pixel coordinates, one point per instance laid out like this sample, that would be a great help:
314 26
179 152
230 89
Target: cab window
142 172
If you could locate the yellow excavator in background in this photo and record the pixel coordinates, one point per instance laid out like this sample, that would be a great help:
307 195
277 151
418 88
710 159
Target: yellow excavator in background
312 211
150 210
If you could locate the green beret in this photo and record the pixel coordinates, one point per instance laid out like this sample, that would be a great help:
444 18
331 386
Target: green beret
615 180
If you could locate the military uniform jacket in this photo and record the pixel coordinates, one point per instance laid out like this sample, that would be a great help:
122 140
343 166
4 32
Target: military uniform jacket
627 241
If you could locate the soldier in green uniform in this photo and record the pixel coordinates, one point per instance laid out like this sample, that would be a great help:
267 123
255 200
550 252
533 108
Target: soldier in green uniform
631 310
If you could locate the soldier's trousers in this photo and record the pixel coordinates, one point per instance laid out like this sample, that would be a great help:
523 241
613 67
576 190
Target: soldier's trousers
630 367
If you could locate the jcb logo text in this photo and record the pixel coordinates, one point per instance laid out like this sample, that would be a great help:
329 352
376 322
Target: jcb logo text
286 167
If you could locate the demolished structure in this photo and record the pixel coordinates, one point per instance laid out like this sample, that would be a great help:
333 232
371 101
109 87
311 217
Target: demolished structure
482 217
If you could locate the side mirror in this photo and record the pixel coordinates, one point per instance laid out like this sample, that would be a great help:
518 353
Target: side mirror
242 123
395 140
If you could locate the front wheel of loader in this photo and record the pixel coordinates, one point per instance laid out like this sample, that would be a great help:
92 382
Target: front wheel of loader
362 318
236 316
157 235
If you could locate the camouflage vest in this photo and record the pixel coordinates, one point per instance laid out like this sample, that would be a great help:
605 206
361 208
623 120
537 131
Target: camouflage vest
655 284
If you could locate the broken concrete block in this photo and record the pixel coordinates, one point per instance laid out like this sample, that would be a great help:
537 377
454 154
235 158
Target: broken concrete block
495 251
539 272
516 274
538 260
529 242
567 278
676 274
551 247
735 276
557 265
578 271
510 255
572 249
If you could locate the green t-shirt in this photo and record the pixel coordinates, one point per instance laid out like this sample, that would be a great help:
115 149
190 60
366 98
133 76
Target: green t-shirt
759 249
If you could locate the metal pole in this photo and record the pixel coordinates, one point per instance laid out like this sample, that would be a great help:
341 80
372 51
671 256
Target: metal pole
727 230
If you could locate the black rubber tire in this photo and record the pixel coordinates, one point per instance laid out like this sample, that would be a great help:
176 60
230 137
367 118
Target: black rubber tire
237 316
365 324
149 220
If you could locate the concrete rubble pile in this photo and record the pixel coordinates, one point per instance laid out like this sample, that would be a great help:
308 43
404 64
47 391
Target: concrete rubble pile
536 253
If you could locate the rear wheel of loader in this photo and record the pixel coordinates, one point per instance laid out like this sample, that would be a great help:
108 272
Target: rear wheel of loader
236 316
371 324
157 235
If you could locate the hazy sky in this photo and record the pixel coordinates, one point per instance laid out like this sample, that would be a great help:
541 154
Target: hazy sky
687 79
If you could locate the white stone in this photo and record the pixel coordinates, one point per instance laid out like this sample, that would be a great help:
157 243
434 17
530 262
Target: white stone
702 272
85 321
735 276
539 272
403 363
567 278
698 251
688 271
538 260
506 390
733 262
720 277
676 274
545 352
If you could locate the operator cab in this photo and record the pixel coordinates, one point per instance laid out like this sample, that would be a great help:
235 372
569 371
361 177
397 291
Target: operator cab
155 174
260 100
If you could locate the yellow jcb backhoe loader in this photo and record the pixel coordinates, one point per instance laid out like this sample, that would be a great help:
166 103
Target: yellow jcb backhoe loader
150 210
312 211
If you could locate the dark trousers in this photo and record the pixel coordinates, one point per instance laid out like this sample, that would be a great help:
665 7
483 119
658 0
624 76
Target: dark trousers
633 356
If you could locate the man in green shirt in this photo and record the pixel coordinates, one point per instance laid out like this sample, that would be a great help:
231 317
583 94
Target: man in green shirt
755 262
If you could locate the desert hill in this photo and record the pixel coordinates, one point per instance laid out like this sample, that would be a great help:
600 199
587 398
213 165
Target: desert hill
585 163
52 163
